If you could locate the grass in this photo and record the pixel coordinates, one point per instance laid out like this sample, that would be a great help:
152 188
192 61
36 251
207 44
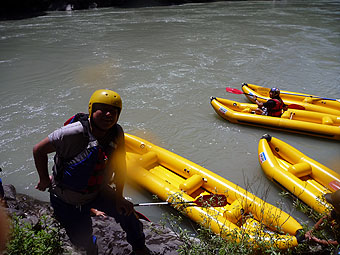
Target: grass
44 238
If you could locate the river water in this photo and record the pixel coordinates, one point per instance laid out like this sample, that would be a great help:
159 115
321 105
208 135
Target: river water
166 62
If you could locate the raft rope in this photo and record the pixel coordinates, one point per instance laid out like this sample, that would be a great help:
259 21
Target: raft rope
309 235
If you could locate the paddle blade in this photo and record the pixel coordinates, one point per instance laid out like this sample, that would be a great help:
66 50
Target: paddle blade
141 216
213 200
296 106
234 91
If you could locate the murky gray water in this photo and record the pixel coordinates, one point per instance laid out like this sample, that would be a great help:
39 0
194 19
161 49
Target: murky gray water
166 62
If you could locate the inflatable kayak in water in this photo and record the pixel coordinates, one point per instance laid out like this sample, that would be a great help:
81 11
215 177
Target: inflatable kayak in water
302 176
309 102
175 179
292 120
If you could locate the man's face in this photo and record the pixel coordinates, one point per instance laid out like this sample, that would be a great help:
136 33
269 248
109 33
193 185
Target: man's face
105 116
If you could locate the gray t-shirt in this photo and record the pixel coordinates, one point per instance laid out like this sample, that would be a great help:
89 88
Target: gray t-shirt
69 141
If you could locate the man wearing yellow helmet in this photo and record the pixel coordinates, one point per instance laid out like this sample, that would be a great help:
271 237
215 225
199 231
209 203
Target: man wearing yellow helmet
89 150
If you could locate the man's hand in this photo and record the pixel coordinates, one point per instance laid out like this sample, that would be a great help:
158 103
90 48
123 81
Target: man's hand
98 213
43 184
40 152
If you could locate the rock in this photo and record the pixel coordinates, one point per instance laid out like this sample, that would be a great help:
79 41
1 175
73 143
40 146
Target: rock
111 238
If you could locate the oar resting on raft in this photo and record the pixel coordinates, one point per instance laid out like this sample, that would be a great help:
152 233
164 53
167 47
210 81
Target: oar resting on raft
213 200
239 92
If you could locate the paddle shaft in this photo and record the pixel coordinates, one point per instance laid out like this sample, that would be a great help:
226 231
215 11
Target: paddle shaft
163 203
254 96
212 200
239 92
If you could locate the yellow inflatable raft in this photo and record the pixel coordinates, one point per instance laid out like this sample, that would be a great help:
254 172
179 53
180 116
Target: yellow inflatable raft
173 178
309 102
304 177
292 120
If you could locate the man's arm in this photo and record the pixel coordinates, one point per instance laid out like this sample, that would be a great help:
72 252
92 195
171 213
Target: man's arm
269 104
40 152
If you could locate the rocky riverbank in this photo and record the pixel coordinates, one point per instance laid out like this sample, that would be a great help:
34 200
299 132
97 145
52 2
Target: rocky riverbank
110 237
18 9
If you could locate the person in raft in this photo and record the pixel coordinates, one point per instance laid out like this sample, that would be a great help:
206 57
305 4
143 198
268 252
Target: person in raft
273 107
334 217
89 150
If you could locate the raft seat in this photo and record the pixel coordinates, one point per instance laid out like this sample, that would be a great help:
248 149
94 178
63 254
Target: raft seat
326 120
234 211
308 100
300 169
147 159
251 226
247 109
286 115
191 184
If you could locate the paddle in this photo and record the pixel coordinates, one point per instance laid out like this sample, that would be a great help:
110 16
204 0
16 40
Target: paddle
142 216
238 92
293 94
213 200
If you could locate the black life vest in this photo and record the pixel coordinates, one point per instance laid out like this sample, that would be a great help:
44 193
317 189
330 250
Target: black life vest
85 172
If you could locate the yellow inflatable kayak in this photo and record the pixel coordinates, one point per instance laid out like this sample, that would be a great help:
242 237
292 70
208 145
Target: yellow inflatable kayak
302 176
173 178
309 102
292 120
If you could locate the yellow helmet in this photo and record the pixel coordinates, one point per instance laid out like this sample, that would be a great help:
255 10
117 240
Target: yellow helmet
105 96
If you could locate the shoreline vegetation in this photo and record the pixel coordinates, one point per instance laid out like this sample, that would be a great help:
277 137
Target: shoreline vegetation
18 9
34 228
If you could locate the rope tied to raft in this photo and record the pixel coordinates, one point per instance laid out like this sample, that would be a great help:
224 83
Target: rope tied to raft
309 234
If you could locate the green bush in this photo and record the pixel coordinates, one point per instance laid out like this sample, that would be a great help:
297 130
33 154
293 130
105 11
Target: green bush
42 239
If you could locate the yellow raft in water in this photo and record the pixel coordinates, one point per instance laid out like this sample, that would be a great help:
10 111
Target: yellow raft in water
292 120
309 102
302 176
173 178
